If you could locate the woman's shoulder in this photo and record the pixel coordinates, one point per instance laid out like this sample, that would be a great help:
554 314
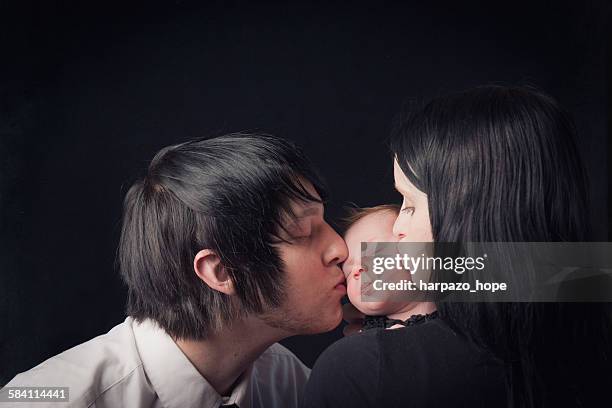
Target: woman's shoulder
364 350
351 371
346 374
403 364
436 365
427 334
351 355
436 345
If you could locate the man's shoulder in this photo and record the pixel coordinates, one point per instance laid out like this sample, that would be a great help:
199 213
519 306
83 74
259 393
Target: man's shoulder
279 350
342 354
88 369
278 357
278 378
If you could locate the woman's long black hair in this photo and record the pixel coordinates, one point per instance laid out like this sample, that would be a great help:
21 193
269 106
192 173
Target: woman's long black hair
501 164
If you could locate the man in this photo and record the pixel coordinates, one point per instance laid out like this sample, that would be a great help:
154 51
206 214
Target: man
225 251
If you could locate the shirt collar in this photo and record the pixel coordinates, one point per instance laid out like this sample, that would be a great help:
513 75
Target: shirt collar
175 380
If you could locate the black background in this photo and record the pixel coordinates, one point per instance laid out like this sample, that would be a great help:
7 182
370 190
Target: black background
89 93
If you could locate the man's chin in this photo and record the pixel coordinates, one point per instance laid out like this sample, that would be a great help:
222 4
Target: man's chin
302 325
329 323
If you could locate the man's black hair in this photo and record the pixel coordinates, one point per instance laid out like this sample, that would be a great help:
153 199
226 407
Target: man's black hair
231 194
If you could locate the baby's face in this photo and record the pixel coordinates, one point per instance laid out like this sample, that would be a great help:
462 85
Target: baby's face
376 227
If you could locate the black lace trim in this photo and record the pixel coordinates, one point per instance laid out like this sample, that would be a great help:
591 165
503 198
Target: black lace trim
383 322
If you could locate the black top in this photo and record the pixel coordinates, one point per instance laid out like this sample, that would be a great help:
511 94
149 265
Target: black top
423 365
383 322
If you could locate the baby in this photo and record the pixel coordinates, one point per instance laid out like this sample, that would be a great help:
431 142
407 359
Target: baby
374 224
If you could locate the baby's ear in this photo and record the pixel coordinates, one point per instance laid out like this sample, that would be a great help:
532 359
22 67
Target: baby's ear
208 267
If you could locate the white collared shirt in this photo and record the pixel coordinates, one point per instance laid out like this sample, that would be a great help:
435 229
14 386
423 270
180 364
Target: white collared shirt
139 365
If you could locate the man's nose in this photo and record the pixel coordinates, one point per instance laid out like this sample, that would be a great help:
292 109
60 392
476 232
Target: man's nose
337 251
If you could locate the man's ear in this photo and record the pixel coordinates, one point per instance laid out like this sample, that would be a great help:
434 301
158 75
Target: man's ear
208 267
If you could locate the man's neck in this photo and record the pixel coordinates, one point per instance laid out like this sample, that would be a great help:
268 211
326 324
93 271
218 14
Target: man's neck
224 356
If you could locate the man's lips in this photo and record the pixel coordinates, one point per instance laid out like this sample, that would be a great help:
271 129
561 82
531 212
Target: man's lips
341 285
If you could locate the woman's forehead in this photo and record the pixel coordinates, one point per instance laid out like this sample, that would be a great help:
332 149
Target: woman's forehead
402 183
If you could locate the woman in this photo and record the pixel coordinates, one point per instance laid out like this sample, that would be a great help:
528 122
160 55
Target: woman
493 164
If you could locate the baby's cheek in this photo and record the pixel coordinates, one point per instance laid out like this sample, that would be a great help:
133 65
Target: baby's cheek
353 289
